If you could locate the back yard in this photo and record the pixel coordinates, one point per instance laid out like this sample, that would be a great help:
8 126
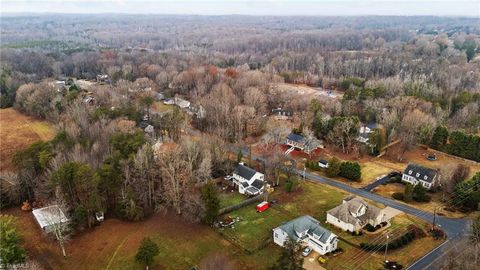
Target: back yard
113 245
254 231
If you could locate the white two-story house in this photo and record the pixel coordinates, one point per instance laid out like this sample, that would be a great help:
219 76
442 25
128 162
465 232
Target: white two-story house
306 230
248 180
416 174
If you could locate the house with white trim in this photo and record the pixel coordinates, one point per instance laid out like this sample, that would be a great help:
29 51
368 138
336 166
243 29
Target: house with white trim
248 180
306 231
300 142
417 174
354 213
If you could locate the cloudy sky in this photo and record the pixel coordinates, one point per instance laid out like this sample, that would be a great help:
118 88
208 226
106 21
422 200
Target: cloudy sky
251 7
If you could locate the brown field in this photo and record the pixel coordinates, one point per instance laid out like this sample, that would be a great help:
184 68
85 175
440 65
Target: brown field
113 244
418 155
17 131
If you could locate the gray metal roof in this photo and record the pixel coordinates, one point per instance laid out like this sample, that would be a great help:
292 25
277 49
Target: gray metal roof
306 224
296 138
245 171
424 173
257 183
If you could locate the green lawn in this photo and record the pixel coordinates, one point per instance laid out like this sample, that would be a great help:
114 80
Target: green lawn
230 198
254 229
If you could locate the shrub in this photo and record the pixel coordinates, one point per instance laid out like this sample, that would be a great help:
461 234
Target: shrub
351 170
398 196
369 227
333 169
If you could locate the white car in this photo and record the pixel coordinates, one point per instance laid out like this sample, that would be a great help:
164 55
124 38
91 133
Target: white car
306 251
228 177
323 163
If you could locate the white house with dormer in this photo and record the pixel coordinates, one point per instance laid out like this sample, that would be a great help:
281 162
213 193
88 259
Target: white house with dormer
248 180
306 231
417 174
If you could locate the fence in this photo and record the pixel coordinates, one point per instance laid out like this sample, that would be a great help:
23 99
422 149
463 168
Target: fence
246 202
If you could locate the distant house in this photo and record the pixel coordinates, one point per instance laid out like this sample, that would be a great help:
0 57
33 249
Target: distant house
89 99
282 114
354 213
49 216
159 96
415 174
182 103
103 78
307 231
248 180
365 131
169 101
300 142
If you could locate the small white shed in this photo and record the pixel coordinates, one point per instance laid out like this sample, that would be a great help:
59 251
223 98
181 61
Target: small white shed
49 216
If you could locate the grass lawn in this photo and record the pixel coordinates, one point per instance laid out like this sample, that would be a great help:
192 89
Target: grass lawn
387 191
114 243
254 229
159 106
230 198
18 131
371 171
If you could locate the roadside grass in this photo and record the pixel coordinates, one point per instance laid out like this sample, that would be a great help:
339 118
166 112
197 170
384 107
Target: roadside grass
436 202
230 198
371 171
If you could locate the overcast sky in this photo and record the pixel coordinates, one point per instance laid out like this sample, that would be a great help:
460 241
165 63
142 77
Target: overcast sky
251 7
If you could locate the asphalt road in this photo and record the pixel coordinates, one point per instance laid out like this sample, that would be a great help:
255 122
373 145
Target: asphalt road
453 228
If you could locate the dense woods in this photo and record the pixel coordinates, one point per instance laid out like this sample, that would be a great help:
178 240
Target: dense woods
417 77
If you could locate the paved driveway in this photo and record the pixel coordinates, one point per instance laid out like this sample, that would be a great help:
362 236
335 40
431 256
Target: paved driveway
311 263
454 228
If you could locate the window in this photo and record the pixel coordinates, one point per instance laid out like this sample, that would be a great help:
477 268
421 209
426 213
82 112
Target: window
425 177
418 175
276 235
410 172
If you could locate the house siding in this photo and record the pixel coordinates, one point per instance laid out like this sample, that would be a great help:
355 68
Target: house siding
340 224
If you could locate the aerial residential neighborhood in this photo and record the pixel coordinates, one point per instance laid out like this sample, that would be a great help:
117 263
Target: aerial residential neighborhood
222 135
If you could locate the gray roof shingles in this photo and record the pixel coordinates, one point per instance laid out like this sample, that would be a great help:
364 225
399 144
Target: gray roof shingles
413 169
245 171
305 223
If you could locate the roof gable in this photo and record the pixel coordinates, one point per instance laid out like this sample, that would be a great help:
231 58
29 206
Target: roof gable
306 224
245 171
421 173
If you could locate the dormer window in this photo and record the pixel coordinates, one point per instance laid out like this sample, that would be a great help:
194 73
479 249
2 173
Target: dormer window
425 177
418 175
410 172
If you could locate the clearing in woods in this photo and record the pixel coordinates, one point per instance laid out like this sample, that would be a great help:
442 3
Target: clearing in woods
17 131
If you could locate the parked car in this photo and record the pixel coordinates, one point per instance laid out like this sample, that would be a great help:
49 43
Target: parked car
228 177
306 251
323 163
432 157
321 260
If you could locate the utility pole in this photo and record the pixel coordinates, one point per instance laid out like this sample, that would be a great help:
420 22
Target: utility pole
434 217
386 248
304 172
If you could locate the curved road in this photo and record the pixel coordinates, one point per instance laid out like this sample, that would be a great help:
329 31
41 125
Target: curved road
454 228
